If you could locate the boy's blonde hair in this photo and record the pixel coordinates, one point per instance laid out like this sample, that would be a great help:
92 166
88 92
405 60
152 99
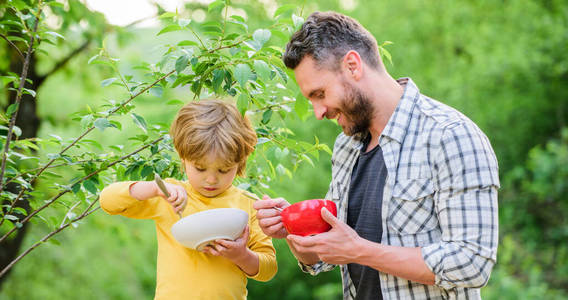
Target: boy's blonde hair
213 127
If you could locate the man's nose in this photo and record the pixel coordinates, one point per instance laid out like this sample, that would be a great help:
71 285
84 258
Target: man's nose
319 111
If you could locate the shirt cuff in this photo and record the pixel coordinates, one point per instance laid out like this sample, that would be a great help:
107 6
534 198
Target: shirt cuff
316 268
267 267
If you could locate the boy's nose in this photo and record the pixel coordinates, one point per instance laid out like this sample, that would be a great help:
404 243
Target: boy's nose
211 179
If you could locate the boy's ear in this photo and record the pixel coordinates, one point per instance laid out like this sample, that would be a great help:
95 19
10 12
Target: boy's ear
182 166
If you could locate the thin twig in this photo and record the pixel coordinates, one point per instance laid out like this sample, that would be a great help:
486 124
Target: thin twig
52 200
65 164
87 212
15 47
33 179
23 77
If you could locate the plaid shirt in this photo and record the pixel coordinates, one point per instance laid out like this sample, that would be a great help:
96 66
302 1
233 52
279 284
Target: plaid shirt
440 194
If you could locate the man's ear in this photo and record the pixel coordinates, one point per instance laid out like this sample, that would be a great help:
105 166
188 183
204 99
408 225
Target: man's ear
353 65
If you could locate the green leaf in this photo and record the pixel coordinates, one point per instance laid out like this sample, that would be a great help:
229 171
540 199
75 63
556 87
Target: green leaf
184 22
281 170
93 143
102 124
216 6
11 109
218 77
181 63
170 28
90 186
242 74
86 121
157 91
167 15
55 34
54 241
284 8
17 131
92 59
175 102
76 188
301 106
11 217
242 103
147 170
238 18
140 122
262 140
116 124
307 158
298 21
188 43
266 116
108 81
282 74
262 69
281 154
29 91
261 36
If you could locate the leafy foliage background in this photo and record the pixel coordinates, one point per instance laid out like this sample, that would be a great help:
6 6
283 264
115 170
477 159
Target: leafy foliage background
502 63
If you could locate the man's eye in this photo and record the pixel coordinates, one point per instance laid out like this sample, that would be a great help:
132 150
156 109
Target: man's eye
321 95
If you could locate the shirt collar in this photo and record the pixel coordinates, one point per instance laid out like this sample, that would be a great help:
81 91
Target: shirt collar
397 125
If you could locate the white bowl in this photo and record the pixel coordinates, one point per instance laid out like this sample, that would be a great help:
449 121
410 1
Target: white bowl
199 229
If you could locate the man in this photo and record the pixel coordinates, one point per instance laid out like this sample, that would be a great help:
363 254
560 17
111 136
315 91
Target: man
415 181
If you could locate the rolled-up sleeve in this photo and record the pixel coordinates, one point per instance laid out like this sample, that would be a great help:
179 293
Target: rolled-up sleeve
466 205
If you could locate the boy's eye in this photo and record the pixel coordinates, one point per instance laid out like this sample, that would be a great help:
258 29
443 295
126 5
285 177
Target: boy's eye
223 171
199 169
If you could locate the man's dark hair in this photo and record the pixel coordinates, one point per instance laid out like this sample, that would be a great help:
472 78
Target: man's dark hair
330 35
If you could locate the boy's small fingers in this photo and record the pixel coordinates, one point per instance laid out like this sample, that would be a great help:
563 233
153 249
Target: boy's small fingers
212 251
173 195
224 243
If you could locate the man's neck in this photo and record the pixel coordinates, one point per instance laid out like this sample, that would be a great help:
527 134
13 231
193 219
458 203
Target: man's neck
384 93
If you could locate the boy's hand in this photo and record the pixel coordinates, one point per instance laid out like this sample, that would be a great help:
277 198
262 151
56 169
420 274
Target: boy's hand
177 198
232 250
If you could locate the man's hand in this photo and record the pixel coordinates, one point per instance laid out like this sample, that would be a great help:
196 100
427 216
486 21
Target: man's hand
337 246
269 218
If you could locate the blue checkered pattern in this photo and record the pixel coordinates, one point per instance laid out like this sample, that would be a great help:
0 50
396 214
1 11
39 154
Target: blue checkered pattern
440 195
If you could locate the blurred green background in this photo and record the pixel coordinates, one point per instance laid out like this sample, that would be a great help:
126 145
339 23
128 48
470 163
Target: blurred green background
502 63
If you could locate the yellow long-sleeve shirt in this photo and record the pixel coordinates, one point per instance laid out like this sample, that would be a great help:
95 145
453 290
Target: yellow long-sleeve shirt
184 273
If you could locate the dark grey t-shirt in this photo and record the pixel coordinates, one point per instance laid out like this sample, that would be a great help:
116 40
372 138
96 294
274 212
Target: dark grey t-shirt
364 215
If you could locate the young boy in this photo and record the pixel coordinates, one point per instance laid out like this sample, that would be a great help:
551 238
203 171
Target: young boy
213 141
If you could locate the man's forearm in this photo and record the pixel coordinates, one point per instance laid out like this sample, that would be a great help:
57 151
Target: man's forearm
401 262
305 258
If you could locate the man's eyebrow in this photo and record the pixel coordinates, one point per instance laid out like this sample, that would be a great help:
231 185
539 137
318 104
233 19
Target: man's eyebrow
315 91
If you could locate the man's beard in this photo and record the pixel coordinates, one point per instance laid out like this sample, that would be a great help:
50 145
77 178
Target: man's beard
357 109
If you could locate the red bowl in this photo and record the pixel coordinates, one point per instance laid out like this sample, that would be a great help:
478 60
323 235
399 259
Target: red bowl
304 218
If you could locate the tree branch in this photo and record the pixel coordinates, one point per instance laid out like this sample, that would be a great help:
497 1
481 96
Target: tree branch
19 97
64 61
33 179
85 213
15 47
52 200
